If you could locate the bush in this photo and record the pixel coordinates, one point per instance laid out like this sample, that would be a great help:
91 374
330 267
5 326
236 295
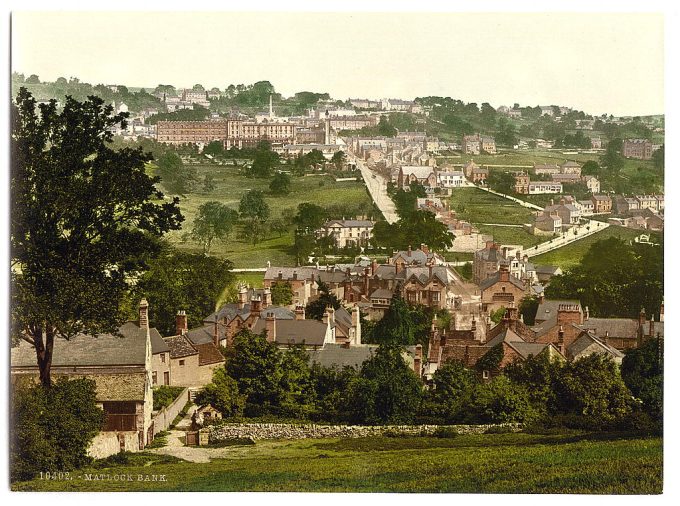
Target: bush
52 427
164 395
445 432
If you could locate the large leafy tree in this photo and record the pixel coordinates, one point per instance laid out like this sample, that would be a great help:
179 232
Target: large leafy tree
177 178
213 221
397 326
83 221
264 161
280 184
315 309
253 207
642 371
178 280
451 392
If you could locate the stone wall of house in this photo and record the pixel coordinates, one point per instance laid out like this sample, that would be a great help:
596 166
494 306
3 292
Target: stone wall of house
257 431
107 443
186 375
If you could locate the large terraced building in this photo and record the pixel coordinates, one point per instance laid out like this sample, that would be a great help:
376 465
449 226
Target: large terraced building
232 132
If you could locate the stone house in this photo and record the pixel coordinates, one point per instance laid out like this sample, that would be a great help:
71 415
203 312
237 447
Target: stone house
348 232
416 174
312 334
450 179
542 187
548 224
546 168
471 144
522 183
569 213
501 290
120 366
570 167
592 183
601 204
637 148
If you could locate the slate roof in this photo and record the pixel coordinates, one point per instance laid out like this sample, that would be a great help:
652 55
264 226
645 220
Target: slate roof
84 350
382 293
526 349
157 343
492 280
203 335
588 338
180 346
272 273
417 256
546 269
507 336
334 355
349 223
229 311
615 327
421 172
309 332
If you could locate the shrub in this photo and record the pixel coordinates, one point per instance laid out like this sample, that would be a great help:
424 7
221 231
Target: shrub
445 432
164 395
52 427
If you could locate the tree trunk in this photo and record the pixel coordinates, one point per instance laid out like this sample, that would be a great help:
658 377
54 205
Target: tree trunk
43 351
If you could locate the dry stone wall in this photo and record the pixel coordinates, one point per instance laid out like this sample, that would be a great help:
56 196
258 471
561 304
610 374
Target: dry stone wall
255 431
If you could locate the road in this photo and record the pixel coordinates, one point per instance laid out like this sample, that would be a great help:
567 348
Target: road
588 228
377 187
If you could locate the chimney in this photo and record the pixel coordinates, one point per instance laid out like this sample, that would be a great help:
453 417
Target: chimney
181 323
424 249
661 313
266 298
280 275
242 296
255 305
365 288
144 314
326 316
503 273
216 335
374 268
294 275
299 312
408 253
642 319
569 313
560 340
651 328
418 360
270 326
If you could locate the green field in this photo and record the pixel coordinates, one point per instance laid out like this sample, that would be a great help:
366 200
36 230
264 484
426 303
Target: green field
478 206
231 184
490 463
570 255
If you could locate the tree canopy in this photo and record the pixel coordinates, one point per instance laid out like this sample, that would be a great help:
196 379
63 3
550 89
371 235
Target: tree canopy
83 221
213 221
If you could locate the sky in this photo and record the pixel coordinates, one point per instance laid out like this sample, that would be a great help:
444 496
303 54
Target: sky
599 63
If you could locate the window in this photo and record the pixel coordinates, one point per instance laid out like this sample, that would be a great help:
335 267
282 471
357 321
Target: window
154 376
163 358
181 362
485 374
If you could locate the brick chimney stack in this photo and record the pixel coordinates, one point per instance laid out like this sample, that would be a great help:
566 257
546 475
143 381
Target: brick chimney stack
642 319
569 313
270 326
418 360
408 253
144 314
242 296
255 305
181 323
503 273
661 313
560 340
266 298
299 312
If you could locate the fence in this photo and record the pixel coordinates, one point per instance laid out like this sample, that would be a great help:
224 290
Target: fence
165 416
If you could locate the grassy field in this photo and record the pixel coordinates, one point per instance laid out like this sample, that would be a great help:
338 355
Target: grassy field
231 184
570 255
491 463
478 206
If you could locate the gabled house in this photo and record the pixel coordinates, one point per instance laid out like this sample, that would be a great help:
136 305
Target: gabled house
501 290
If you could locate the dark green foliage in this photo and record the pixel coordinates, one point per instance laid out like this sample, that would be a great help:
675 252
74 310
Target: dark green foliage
613 160
164 395
281 184
614 279
501 401
84 217
450 393
331 387
198 113
505 133
315 309
264 161
222 394
253 207
213 221
419 227
51 428
658 157
385 128
177 178
642 371
591 388
339 158
215 148
503 182
497 315
539 375
182 281
527 308
209 183
387 391
397 326
255 365
282 293
310 217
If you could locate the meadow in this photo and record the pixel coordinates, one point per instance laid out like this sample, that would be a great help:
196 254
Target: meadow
570 255
230 184
488 463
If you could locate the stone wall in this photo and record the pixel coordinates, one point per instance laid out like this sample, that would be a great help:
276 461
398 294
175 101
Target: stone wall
256 431
163 419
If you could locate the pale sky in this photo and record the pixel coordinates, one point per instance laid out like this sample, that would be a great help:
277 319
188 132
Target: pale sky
598 63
